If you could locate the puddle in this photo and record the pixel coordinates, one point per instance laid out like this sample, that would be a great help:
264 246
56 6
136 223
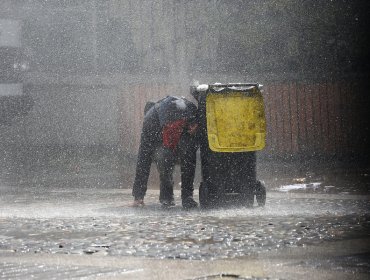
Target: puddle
308 186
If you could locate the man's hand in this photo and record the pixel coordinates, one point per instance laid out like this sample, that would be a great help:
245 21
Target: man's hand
192 128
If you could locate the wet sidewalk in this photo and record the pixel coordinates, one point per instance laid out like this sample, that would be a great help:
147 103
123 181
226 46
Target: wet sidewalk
63 222
94 234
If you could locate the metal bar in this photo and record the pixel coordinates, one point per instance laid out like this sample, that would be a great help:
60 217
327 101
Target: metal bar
236 85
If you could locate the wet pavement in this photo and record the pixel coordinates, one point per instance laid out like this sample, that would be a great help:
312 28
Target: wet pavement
65 222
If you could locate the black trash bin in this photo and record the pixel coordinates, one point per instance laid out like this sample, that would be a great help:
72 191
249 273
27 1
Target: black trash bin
232 128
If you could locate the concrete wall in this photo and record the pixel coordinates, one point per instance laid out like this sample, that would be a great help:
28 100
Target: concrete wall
67 115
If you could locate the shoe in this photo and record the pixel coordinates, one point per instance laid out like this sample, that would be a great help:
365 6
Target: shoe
168 203
138 203
189 203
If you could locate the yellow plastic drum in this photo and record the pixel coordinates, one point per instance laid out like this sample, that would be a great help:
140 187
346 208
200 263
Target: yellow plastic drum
236 121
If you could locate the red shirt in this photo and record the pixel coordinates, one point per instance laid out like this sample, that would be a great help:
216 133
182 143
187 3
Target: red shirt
171 133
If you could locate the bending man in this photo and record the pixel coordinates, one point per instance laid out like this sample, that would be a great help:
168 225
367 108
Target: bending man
168 137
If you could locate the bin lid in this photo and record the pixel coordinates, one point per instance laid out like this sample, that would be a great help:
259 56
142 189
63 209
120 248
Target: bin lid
235 118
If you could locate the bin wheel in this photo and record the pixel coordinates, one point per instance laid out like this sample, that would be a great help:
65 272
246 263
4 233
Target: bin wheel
203 195
248 200
260 193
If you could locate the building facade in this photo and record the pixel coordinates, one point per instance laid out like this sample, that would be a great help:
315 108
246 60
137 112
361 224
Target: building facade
94 64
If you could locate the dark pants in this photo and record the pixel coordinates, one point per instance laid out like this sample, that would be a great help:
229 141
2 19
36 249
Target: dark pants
166 160
151 148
